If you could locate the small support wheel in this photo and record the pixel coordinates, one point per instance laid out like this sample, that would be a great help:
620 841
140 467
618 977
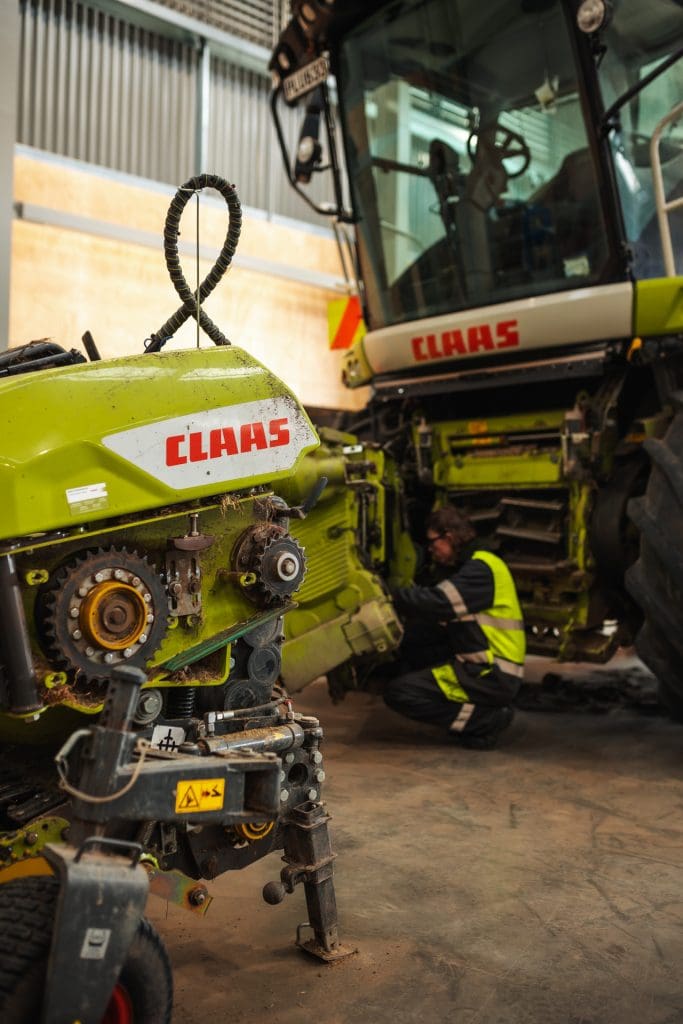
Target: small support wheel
144 991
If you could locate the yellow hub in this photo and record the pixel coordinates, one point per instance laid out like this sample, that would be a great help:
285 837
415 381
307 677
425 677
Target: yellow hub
113 615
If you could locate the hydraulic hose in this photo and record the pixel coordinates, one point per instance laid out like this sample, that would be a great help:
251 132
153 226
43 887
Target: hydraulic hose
192 304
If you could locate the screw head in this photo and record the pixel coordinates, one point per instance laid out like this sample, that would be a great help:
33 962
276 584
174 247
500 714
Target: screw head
118 574
89 651
73 613
128 653
76 635
312 794
109 658
284 795
98 577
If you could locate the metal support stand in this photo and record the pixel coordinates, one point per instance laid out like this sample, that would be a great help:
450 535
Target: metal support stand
308 858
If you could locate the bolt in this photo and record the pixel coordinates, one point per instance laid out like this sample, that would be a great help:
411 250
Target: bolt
282 776
128 653
316 757
109 658
312 794
284 795
135 581
76 635
31 838
74 613
289 758
89 651
143 638
82 591
147 597
118 574
319 776
98 577
175 590
150 618
197 897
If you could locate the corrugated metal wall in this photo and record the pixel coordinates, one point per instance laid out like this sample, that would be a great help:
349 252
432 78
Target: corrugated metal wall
259 21
100 89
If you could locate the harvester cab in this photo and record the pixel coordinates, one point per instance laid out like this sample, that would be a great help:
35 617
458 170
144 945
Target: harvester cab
146 567
513 174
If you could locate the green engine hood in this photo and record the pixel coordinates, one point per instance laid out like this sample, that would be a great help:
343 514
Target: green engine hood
103 439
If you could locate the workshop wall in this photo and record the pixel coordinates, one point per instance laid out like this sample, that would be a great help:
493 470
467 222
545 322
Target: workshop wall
71 273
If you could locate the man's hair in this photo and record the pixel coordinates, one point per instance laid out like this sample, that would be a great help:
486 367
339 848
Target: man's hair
449 520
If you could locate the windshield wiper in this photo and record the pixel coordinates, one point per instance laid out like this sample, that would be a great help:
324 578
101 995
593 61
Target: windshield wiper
606 123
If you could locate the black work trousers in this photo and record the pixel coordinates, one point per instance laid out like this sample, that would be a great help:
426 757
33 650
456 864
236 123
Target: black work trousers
417 695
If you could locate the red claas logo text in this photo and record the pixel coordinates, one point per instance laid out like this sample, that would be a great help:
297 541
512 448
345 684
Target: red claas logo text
200 445
479 338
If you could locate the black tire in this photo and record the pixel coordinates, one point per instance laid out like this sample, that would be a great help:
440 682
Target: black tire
655 581
27 911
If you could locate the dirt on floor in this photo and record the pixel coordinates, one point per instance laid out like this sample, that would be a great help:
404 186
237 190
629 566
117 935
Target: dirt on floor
539 883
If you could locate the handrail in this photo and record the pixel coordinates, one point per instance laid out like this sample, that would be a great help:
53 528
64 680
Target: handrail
663 207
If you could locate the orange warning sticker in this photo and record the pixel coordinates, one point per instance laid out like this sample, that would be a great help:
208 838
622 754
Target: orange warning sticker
199 795
345 322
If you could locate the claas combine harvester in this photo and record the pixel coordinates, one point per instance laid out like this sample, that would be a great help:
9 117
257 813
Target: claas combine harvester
510 185
147 566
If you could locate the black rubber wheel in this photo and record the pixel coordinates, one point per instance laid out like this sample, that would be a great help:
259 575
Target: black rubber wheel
655 581
144 992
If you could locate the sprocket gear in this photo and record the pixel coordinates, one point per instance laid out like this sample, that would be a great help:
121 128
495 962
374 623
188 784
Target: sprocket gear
275 558
101 609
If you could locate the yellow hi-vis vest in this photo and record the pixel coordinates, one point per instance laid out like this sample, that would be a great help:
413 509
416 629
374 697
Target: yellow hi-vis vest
502 627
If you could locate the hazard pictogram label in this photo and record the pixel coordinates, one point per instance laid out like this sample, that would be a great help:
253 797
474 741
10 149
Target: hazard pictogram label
199 795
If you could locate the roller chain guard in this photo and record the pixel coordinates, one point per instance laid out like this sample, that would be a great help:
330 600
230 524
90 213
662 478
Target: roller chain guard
192 302
655 581
73 585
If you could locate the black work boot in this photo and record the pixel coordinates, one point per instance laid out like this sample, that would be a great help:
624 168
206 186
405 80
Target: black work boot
498 722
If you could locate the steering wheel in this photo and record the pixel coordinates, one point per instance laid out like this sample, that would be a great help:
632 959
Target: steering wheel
498 144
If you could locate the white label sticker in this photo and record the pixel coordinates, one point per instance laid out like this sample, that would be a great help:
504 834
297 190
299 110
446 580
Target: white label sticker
207 447
87 498
95 943
167 737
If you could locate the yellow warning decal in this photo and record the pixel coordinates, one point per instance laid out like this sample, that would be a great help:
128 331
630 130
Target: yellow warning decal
199 795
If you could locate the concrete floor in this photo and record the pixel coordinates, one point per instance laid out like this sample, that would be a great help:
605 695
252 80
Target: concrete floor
540 883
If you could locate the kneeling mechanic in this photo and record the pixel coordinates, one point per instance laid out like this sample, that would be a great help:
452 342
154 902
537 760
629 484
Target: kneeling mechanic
470 694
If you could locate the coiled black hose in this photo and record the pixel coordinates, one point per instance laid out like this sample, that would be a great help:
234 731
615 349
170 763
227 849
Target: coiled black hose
171 231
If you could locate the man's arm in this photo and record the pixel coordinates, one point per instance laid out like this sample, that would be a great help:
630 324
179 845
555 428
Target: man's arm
469 590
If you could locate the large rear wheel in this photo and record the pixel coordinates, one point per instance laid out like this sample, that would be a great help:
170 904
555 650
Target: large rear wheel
143 993
655 581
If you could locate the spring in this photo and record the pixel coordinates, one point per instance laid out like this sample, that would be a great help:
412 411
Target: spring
180 702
